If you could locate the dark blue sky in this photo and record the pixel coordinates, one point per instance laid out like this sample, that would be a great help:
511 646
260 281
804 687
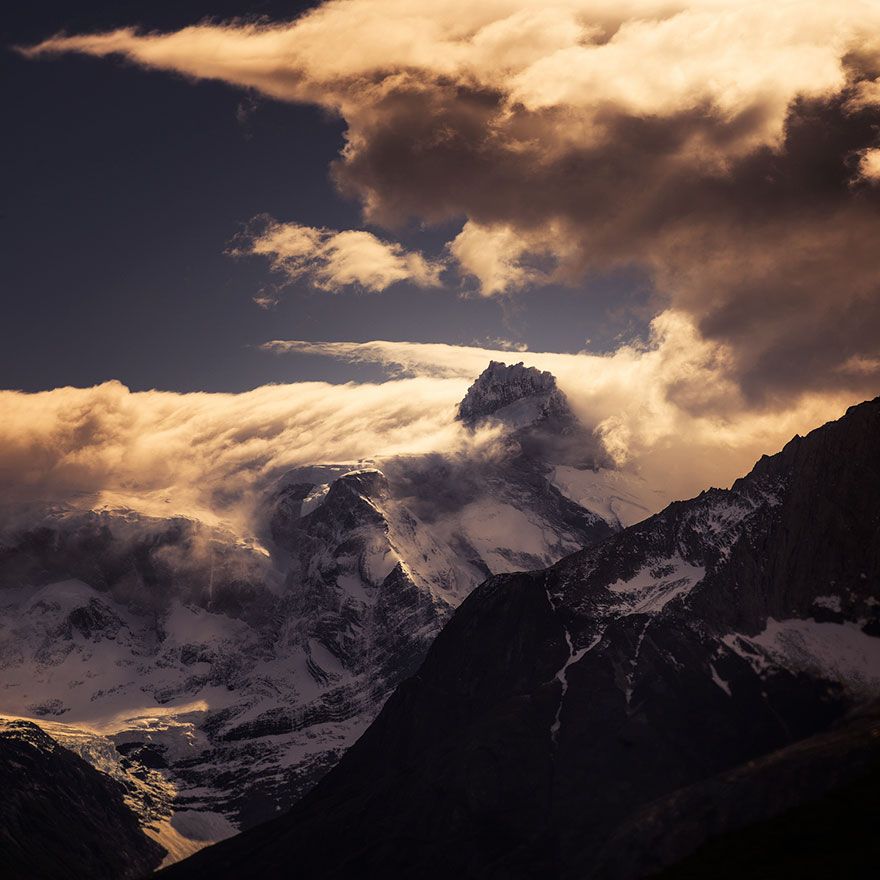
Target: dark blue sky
121 190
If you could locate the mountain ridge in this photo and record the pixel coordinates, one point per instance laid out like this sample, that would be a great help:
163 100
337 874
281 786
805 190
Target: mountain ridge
57 811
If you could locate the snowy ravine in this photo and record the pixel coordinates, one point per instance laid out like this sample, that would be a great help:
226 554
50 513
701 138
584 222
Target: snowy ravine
575 655
218 678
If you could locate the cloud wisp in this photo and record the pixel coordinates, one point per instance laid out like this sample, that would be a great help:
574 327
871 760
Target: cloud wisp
332 260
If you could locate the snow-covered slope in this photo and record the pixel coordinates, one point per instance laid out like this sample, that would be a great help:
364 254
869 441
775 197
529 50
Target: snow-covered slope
220 678
620 497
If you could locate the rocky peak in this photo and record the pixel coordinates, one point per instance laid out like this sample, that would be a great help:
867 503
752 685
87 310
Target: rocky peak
513 393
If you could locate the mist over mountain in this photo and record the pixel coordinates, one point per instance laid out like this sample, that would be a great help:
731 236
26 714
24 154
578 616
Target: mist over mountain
711 655
221 676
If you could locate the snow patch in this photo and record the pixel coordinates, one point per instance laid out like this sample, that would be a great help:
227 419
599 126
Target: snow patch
718 680
353 585
618 497
839 652
314 499
574 656
187 624
831 603
328 661
188 831
520 413
655 585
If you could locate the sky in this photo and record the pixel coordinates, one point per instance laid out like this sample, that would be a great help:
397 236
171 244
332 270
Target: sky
214 210
124 190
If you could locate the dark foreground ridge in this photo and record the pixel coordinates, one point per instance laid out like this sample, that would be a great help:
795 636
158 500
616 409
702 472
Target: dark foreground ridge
60 818
608 716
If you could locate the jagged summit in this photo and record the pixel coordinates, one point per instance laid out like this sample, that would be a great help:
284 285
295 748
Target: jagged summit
516 394
535 414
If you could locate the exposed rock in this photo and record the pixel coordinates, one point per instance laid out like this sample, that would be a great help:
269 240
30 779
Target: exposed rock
518 394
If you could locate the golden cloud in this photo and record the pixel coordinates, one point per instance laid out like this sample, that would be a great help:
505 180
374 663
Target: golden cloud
332 260
667 408
208 455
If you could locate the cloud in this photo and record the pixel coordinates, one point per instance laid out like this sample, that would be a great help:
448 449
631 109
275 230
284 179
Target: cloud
726 147
333 260
214 456
211 456
266 299
436 360
642 58
493 256
869 165
502 344
667 408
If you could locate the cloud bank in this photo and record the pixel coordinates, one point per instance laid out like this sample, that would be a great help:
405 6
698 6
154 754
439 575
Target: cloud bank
666 409
210 456
662 409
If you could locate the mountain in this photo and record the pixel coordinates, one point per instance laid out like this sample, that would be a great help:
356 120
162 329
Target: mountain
219 677
684 679
529 406
516 395
61 818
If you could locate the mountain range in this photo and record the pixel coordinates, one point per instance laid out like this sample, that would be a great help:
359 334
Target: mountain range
490 663
686 688
216 678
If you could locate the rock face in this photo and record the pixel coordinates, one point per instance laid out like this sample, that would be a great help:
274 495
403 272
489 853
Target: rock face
527 403
227 676
592 719
61 818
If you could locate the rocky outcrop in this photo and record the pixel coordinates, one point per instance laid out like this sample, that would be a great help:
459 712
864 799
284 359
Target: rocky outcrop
500 387
534 412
